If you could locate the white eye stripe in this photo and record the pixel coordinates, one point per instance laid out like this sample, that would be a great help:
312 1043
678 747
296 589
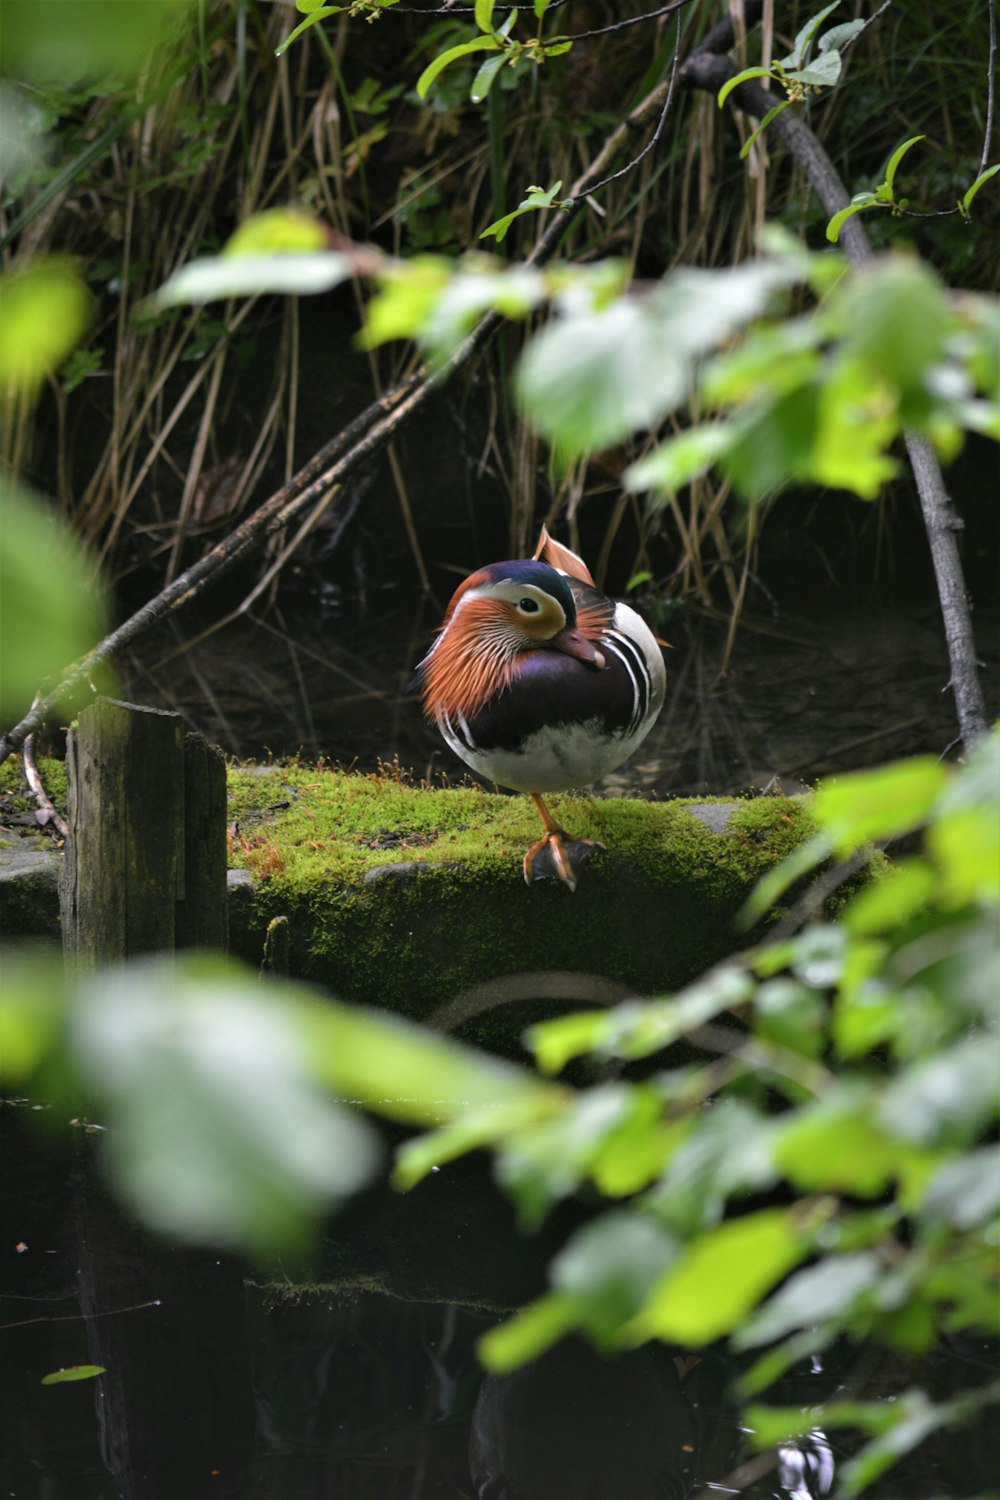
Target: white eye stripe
509 591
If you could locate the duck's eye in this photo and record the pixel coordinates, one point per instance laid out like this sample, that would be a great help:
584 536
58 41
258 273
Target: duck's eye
528 606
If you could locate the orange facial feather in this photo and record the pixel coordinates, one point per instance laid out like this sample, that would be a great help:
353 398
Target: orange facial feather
473 659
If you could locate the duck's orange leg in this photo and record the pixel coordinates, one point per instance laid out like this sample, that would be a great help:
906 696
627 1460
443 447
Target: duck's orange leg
552 847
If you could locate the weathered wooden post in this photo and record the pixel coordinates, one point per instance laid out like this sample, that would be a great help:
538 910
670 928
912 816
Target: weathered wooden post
145 868
145 873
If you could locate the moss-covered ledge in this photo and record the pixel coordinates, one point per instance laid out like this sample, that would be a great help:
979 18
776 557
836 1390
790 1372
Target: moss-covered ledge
406 897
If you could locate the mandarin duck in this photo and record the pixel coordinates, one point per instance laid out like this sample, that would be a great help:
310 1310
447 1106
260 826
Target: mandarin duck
540 682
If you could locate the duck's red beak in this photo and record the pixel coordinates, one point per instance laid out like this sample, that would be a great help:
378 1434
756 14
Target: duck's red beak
573 642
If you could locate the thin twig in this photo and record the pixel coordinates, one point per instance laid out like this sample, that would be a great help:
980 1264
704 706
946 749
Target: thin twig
990 88
41 796
660 124
862 29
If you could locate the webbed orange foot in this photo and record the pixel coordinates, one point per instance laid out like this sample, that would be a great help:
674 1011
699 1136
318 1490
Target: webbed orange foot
556 856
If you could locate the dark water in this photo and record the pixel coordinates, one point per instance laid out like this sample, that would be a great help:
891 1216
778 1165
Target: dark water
219 1385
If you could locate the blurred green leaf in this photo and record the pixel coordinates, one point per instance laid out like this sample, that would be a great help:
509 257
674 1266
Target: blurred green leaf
277 229
890 801
792 1015
528 1333
891 900
45 310
610 1267
966 1193
50 609
835 1144
220 1134
826 1290
724 1151
67 41
297 272
947 1098
680 459
965 835
897 321
720 1277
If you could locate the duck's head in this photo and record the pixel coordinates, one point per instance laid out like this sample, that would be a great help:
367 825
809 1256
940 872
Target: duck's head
495 616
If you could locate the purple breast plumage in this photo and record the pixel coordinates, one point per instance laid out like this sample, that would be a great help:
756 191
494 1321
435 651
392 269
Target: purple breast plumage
538 680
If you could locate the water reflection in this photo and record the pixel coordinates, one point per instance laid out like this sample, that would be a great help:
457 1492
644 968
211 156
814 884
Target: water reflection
217 1386
575 1426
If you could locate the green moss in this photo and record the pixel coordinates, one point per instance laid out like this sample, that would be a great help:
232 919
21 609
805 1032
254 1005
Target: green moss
406 897
14 789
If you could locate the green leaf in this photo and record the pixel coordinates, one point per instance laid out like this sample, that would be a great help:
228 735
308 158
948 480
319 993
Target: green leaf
946 1099
721 1277
966 1193
964 836
300 272
427 77
823 73
680 459
827 1290
528 1333
220 1134
483 82
835 38
275 230
74 1372
835 1145
859 202
734 83
891 900
86 42
765 122
723 1152
857 420
536 198
591 379
896 158
775 442
800 48
913 1418
792 1015
51 611
483 15
888 802
971 192
772 886
476 1128
318 14
46 312
610 1267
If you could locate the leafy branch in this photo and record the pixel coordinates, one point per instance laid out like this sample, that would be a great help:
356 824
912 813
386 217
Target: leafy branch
798 73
